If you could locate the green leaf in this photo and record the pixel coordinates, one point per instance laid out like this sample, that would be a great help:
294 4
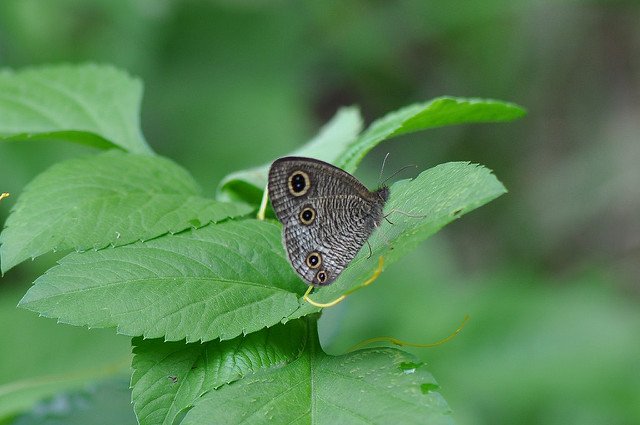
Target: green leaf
342 129
417 208
170 376
231 278
438 112
345 150
111 199
373 386
105 403
90 104
218 281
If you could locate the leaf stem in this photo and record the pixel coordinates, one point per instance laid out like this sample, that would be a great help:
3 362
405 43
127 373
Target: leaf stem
263 203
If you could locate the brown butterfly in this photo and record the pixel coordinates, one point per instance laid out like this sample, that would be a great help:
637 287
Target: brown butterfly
326 213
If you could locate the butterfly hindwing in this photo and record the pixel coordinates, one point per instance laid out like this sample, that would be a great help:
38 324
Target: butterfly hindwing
327 215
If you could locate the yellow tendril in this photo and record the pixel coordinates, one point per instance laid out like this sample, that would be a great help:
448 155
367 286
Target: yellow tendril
398 342
367 282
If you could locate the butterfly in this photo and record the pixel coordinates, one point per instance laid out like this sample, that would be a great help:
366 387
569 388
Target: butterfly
326 213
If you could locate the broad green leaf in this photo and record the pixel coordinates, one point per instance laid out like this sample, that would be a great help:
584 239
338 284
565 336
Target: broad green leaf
105 403
114 198
90 104
231 278
342 129
169 377
347 152
417 208
373 386
218 281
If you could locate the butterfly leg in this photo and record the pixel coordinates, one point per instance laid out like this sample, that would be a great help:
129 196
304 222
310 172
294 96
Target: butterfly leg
370 252
367 282
384 236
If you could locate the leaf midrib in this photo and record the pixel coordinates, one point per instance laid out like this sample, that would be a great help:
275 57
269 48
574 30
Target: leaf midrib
151 280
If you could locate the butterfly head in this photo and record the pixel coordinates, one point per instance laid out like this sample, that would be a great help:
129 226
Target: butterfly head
383 193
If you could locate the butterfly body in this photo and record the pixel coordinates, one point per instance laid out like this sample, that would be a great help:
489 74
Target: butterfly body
326 213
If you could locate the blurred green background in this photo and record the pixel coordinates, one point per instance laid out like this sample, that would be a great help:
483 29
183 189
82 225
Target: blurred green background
549 272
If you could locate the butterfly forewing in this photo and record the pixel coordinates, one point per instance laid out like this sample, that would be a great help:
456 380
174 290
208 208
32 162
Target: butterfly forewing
327 215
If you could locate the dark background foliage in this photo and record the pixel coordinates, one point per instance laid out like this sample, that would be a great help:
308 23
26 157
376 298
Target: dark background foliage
549 273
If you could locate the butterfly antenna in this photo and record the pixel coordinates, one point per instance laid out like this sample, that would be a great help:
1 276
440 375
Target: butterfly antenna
384 161
398 342
341 298
4 195
397 172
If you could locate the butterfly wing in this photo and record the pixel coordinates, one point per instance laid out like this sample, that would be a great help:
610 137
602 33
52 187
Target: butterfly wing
327 215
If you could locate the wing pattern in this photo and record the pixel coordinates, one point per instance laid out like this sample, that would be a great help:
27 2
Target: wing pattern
325 211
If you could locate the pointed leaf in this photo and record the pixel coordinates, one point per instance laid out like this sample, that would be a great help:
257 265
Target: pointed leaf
170 376
417 208
111 199
374 386
90 104
218 281
347 152
438 112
